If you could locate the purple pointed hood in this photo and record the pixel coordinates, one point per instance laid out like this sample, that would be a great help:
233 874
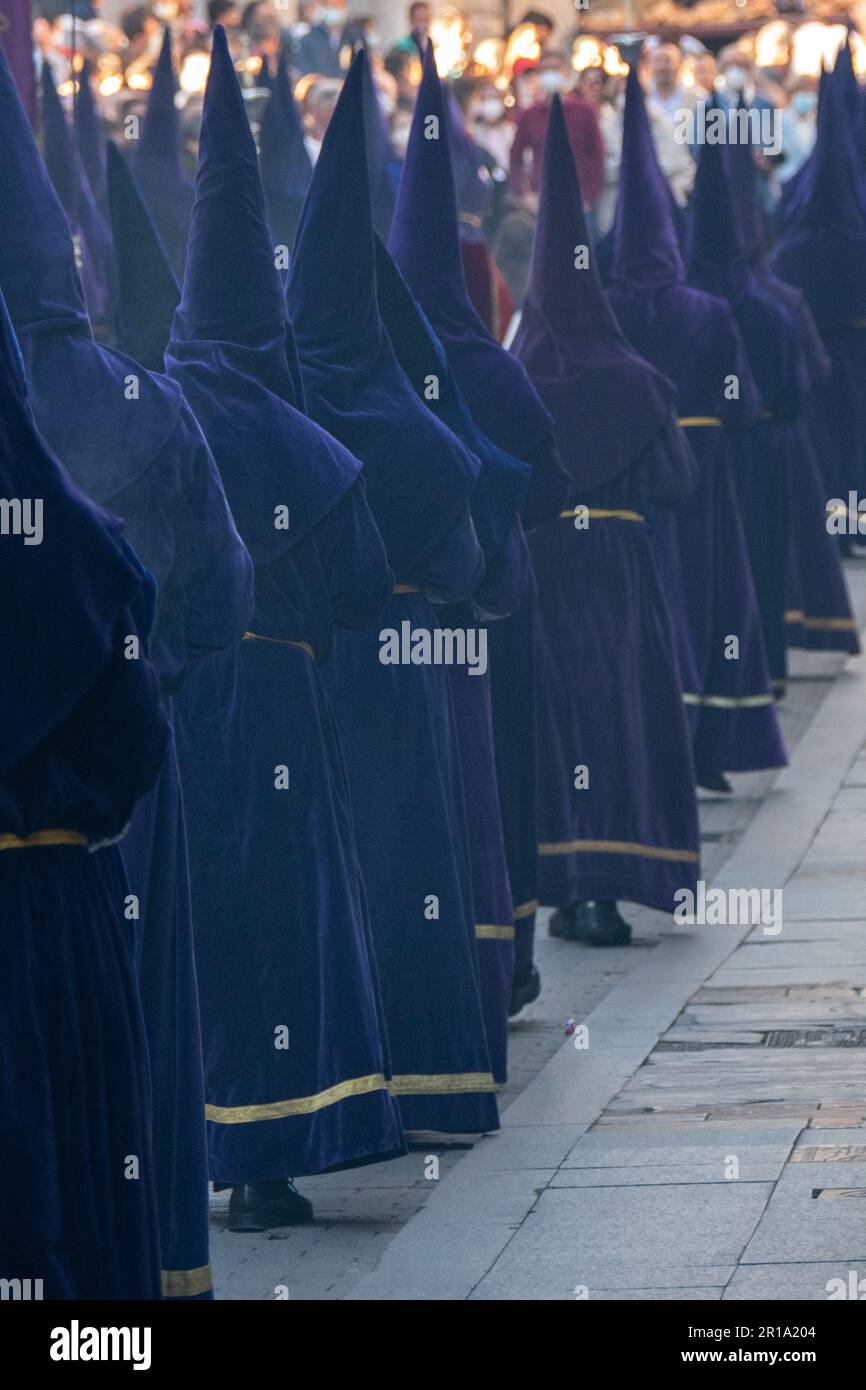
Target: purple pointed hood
823 246
646 252
715 256
228 342
78 389
417 473
87 223
284 162
425 244
607 402
148 292
89 138
157 162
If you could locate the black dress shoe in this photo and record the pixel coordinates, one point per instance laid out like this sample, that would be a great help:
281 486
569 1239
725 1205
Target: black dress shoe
261 1206
525 989
599 924
561 923
712 781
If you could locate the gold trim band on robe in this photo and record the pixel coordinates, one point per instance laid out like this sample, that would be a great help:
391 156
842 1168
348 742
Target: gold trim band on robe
299 1105
698 422
729 701
679 856
186 1283
281 642
525 910
602 512
486 932
447 1083
38 838
406 589
796 615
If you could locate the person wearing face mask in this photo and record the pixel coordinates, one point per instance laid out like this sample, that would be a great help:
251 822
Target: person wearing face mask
361 29
584 136
398 127
798 127
420 19
665 90
320 46
741 84
490 126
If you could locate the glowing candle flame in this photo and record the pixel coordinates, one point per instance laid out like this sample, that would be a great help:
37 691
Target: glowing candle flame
815 44
193 72
449 37
523 46
773 45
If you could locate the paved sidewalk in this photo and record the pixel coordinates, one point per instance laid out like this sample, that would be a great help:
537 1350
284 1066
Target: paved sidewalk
710 1139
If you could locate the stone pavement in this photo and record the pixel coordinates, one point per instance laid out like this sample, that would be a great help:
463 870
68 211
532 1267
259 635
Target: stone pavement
709 1142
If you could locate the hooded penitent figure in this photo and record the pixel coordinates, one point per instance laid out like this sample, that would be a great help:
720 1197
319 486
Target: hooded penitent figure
89 138
822 251
773 467
506 408
83 736
498 494
691 337
87 224
383 166
130 442
284 162
390 690
147 291
157 163
617 806
818 612
295 1052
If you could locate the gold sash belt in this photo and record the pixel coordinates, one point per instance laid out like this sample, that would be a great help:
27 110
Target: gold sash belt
281 642
406 589
604 512
695 422
42 837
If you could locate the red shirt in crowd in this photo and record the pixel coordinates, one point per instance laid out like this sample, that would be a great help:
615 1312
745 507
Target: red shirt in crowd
583 134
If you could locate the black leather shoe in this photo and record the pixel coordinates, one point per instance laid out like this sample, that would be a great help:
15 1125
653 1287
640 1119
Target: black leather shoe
261 1206
712 781
525 989
599 924
561 923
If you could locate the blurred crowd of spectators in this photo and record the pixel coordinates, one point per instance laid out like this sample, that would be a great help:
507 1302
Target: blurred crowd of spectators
504 113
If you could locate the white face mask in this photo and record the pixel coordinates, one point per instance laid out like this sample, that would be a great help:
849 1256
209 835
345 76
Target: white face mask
333 17
736 77
386 104
491 108
551 80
